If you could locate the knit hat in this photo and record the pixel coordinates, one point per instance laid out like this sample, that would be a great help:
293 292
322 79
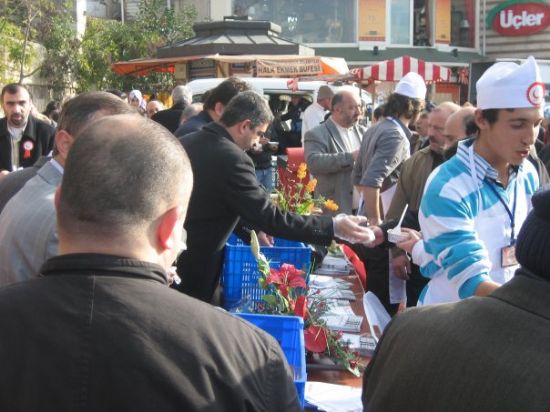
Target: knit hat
533 243
507 85
411 85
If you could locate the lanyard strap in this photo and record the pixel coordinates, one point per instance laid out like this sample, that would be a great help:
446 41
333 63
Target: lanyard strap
511 213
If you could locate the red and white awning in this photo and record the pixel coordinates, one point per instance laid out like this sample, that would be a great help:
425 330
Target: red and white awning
394 70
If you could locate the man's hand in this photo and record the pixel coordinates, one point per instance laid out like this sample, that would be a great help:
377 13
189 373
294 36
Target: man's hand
408 244
401 266
264 140
379 237
348 228
355 155
4 173
265 239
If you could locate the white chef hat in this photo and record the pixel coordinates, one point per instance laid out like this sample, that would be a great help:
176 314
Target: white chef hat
412 85
507 85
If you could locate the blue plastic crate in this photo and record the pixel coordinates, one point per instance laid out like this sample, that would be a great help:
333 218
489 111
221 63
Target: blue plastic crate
240 273
289 332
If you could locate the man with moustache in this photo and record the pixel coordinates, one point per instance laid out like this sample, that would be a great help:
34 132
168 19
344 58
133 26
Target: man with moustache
23 138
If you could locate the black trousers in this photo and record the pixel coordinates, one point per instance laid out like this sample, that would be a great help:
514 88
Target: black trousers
376 262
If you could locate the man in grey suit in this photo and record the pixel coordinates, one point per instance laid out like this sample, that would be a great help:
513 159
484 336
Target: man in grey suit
331 149
28 235
479 354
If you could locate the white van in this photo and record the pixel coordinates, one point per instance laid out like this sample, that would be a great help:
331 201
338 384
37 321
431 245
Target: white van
272 87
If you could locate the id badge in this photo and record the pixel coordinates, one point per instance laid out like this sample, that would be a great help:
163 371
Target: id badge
508 256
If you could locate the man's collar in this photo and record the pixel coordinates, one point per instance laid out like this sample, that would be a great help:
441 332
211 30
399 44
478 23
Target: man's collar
29 131
482 166
94 264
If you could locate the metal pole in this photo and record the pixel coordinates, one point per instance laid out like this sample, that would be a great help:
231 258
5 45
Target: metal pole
122 11
168 4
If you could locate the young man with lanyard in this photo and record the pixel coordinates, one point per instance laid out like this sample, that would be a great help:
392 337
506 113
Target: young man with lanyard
476 202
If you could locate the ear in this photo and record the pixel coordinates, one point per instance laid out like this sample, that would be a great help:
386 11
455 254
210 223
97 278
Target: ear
63 143
219 108
57 197
244 125
168 223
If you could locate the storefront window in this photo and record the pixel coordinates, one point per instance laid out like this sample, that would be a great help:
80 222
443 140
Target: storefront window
400 21
305 21
422 27
463 23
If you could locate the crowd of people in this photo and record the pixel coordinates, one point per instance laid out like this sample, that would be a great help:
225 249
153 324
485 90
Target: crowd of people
114 216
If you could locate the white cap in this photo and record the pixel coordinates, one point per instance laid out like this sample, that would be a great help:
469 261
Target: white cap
412 85
507 85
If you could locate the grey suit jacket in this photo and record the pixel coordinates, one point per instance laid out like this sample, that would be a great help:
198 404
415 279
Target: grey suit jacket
331 163
28 234
480 354
384 148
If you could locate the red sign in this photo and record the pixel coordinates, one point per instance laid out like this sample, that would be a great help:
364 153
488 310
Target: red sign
520 19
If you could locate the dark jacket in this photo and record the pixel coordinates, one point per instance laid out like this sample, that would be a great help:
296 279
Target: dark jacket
13 182
225 189
480 354
104 333
38 135
193 124
170 118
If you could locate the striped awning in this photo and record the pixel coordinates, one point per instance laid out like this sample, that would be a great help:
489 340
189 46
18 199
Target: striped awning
394 70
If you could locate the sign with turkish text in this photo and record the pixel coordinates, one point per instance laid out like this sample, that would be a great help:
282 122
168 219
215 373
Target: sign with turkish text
372 20
307 66
519 17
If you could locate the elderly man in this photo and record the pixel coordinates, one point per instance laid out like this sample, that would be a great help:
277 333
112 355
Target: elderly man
331 149
170 118
226 189
100 329
153 107
414 174
23 138
28 235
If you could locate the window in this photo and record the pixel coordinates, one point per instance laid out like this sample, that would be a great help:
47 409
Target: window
305 21
400 17
463 23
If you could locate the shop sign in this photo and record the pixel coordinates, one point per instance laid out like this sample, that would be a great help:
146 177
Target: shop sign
307 66
519 17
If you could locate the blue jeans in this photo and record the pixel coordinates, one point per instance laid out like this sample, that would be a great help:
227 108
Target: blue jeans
265 177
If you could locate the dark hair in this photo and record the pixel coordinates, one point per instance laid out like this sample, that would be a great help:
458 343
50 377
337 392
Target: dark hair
470 126
247 105
378 112
119 175
399 105
79 111
491 115
224 92
117 93
13 88
52 111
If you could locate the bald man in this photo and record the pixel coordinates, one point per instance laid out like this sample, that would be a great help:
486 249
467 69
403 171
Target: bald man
100 329
459 125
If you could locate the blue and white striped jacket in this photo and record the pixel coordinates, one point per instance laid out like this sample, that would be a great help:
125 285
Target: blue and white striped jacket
465 226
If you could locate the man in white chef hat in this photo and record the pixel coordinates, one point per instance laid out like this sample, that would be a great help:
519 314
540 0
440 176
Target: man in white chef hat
475 203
